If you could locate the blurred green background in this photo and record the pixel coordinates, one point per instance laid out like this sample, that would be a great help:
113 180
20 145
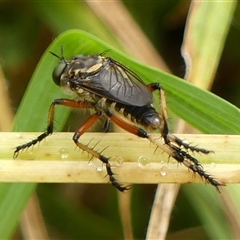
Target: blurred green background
72 211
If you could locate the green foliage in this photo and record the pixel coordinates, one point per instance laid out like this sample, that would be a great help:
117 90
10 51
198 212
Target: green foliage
204 110
183 96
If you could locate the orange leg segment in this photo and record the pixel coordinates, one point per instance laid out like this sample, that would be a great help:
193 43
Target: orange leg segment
90 121
85 126
126 126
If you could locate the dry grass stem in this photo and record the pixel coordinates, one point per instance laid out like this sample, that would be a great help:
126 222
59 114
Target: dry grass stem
122 24
57 160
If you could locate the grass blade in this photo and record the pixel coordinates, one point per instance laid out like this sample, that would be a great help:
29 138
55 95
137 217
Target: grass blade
201 108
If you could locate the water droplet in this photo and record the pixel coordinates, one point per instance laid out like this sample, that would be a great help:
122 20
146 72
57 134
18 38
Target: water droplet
63 153
18 135
99 169
185 141
163 171
213 165
97 164
143 161
116 161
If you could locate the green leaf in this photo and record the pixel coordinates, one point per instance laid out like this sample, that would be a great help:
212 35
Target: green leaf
13 198
204 110
209 205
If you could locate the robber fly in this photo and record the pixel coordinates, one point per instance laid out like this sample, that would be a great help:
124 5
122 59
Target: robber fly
107 86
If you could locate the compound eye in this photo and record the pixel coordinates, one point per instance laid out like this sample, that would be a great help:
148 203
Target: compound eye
57 72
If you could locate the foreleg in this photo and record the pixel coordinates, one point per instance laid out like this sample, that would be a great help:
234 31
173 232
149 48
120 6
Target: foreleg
49 130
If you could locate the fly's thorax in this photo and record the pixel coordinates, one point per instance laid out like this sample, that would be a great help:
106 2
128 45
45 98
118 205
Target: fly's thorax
87 96
80 68
83 66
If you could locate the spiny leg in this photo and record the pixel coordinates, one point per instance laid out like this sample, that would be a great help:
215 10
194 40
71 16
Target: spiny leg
189 161
165 132
176 152
49 131
180 142
196 167
193 164
84 127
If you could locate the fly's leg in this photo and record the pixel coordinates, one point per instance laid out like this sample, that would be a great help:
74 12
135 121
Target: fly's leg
193 164
49 131
168 137
163 107
176 152
187 146
89 122
106 126
80 131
